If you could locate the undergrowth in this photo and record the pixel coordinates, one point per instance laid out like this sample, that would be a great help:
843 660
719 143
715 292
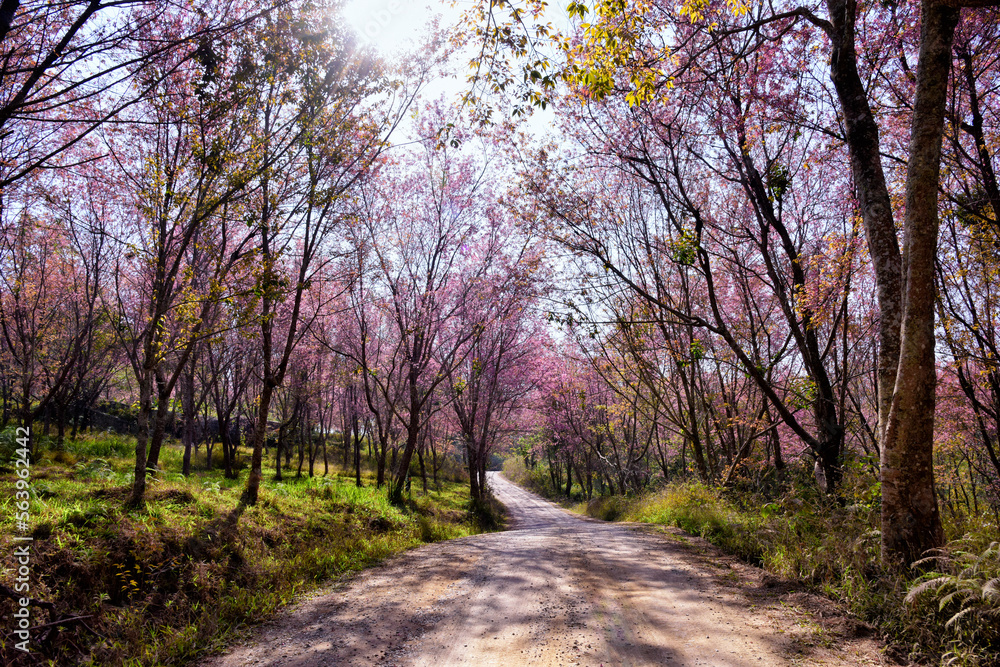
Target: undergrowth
182 577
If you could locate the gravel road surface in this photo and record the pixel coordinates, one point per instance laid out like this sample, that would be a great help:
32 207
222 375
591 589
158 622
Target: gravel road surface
558 589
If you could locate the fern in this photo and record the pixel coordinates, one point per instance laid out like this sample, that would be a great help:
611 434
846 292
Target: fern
966 588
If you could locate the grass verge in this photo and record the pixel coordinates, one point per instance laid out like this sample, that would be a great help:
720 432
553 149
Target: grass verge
179 578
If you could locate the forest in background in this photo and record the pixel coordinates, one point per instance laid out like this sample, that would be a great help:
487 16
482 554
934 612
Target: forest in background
756 249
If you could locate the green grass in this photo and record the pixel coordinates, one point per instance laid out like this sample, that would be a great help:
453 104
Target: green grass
168 583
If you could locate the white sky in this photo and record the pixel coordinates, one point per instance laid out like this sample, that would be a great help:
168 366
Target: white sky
391 25
394 24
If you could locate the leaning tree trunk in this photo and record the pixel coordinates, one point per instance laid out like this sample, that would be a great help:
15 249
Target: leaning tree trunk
862 136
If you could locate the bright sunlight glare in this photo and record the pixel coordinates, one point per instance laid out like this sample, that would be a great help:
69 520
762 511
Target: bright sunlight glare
390 26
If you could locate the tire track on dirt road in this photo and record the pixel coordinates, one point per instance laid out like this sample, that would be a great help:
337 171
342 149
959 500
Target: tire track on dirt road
559 589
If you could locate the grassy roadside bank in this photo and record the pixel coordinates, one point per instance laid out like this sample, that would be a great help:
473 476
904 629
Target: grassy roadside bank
178 579
950 615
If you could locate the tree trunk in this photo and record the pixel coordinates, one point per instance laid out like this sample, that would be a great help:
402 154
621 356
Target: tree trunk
423 470
380 456
316 450
303 443
779 462
356 434
692 434
828 470
402 467
434 466
188 408
278 449
159 423
345 454
569 476
137 498
911 523
475 491
252 489
227 449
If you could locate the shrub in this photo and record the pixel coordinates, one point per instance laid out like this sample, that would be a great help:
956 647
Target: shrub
487 515
607 508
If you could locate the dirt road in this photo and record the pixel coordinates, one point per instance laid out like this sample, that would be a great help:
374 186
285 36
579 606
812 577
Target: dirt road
558 589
